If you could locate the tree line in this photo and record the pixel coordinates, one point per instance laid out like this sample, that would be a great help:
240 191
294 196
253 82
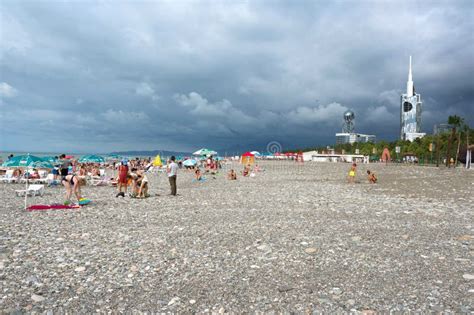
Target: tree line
439 148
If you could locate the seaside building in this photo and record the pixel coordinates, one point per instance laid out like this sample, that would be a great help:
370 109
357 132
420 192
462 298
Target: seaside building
410 112
343 137
348 135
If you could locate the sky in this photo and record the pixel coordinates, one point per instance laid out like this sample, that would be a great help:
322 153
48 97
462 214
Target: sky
102 76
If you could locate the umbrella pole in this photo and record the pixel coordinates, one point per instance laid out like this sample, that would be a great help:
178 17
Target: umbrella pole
26 191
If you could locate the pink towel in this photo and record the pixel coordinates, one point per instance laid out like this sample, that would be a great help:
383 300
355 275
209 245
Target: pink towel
47 207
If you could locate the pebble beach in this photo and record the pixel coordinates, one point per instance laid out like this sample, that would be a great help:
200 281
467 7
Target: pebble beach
294 238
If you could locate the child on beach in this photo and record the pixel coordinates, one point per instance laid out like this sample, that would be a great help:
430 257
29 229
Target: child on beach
352 173
371 177
232 175
197 174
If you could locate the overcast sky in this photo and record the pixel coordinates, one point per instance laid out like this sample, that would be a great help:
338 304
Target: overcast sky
100 76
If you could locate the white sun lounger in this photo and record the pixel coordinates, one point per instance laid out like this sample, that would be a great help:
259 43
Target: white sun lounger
43 178
33 190
51 181
8 178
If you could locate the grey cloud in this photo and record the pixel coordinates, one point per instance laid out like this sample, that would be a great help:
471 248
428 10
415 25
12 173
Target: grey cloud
191 74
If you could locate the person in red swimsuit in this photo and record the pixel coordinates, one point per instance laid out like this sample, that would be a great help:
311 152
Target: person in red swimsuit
123 178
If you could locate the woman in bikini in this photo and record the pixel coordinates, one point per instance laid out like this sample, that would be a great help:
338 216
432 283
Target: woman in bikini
73 183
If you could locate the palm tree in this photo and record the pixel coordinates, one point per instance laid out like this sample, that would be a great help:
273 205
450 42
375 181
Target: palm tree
455 122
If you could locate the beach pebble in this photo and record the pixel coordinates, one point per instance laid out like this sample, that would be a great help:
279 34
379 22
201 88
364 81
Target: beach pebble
311 250
291 239
174 300
37 298
336 291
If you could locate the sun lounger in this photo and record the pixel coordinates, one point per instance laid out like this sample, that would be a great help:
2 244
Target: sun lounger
99 181
50 181
8 178
42 180
32 190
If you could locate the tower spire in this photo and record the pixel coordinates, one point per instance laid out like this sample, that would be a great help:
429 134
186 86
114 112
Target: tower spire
410 91
410 77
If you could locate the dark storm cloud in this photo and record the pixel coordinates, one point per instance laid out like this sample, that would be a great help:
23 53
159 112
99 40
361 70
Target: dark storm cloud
101 76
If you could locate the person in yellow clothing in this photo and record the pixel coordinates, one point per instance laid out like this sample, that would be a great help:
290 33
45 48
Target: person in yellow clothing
352 174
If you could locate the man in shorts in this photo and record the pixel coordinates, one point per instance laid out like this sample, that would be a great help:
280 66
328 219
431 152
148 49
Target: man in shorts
64 168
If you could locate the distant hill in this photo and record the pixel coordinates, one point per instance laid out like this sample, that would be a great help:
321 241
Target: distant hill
151 153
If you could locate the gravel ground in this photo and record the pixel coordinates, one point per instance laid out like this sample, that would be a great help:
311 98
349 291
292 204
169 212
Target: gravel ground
292 239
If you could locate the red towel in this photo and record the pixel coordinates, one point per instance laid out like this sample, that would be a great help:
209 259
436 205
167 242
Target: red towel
47 207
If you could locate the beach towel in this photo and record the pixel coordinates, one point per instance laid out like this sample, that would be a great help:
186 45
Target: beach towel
84 201
53 206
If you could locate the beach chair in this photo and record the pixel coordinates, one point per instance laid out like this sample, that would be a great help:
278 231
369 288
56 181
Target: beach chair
100 182
50 181
41 180
32 190
8 178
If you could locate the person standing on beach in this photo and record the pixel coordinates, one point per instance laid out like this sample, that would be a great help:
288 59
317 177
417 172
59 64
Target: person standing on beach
172 170
122 178
65 164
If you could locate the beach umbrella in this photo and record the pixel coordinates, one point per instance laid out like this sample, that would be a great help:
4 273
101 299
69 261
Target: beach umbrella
113 157
91 159
205 151
256 153
51 159
157 161
247 158
27 161
190 162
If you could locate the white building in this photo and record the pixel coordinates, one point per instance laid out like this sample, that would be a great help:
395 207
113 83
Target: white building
351 138
410 112
315 156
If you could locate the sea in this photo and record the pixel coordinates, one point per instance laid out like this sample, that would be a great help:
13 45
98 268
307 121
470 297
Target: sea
4 154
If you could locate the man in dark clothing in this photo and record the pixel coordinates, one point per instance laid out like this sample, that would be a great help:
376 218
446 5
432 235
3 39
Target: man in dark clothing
65 163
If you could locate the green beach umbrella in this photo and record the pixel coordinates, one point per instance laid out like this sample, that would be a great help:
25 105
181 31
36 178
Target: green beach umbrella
91 159
27 161
51 159
205 152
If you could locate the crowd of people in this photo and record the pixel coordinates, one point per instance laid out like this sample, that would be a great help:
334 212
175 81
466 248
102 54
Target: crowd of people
133 173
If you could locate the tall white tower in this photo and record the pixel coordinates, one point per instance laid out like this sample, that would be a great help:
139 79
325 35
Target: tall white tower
410 111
